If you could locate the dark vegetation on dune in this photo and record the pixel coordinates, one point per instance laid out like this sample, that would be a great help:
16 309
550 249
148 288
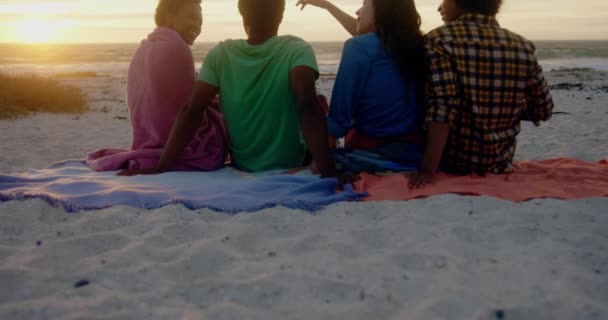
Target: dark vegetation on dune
24 94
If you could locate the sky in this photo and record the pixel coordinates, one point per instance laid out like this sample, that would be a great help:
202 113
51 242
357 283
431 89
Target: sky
113 21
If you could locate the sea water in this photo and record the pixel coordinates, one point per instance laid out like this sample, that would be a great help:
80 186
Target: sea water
113 59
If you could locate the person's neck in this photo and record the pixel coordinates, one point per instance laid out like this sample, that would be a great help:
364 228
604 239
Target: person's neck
256 38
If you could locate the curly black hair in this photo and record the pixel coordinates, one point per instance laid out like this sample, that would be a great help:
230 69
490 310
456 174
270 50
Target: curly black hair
265 15
487 7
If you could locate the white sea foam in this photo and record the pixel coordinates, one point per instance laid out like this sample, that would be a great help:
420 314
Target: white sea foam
599 64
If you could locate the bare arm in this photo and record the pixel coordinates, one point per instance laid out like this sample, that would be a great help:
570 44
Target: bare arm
538 99
347 21
443 99
437 137
312 120
187 122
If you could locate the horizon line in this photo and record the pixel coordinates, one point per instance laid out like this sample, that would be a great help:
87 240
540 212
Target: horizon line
214 42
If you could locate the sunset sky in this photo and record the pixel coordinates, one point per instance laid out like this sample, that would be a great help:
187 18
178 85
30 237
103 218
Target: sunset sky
111 21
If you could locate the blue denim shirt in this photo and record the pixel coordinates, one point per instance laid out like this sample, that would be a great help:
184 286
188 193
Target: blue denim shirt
370 94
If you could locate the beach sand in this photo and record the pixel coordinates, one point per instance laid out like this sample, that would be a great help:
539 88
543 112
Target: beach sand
445 257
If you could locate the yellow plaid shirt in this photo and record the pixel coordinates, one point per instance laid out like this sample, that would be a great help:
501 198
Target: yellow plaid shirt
483 81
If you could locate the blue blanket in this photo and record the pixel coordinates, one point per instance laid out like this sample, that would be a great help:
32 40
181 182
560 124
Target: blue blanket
392 157
76 187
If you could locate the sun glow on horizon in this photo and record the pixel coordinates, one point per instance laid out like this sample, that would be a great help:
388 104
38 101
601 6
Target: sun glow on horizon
36 8
39 30
37 22
101 21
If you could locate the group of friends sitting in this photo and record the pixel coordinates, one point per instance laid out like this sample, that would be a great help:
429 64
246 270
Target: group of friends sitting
456 95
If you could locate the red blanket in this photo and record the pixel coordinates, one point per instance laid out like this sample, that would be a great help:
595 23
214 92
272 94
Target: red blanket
556 178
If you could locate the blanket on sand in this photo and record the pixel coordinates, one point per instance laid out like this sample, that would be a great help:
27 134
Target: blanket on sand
76 187
556 178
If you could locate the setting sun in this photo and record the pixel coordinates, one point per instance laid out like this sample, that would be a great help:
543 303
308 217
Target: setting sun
38 31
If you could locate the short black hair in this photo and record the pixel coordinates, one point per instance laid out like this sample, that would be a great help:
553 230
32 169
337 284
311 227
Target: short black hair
263 15
169 6
487 7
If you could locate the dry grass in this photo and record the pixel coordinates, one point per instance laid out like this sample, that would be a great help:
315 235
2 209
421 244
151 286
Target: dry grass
21 95
80 74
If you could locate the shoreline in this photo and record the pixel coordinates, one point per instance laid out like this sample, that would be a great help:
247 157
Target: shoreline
32 142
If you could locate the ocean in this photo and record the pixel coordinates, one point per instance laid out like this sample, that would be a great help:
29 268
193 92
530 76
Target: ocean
113 59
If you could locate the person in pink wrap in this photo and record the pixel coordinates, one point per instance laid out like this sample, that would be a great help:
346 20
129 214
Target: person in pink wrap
160 81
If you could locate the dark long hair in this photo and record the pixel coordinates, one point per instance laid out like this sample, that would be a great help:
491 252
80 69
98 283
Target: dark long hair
398 25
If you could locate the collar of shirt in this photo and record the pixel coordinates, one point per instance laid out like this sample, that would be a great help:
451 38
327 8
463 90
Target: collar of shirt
479 18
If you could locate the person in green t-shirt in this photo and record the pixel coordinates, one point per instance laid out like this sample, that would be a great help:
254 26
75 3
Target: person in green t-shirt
259 100
266 85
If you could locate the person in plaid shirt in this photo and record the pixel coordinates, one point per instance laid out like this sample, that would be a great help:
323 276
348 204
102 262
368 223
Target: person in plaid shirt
483 81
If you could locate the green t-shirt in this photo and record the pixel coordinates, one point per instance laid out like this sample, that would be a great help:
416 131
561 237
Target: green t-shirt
258 104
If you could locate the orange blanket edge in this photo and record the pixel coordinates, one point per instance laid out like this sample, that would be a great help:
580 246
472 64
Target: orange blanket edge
561 178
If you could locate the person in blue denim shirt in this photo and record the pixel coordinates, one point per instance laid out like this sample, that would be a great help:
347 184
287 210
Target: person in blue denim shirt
378 92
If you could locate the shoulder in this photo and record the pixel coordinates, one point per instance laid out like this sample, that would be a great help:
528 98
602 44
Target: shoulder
446 32
366 39
364 46
293 42
168 39
367 42
165 41
212 56
518 39
221 46
215 50
221 49
165 47
229 45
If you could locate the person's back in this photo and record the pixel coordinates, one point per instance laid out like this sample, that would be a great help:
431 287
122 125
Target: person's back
493 68
370 95
377 94
160 82
258 103
484 80
267 86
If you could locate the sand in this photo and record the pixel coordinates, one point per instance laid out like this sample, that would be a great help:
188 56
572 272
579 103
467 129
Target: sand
445 257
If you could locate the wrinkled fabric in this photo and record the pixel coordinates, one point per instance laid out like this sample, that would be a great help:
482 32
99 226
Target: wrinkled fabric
259 106
371 95
388 158
75 187
556 178
161 80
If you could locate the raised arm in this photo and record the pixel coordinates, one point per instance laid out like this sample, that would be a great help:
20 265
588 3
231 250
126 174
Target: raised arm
347 21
